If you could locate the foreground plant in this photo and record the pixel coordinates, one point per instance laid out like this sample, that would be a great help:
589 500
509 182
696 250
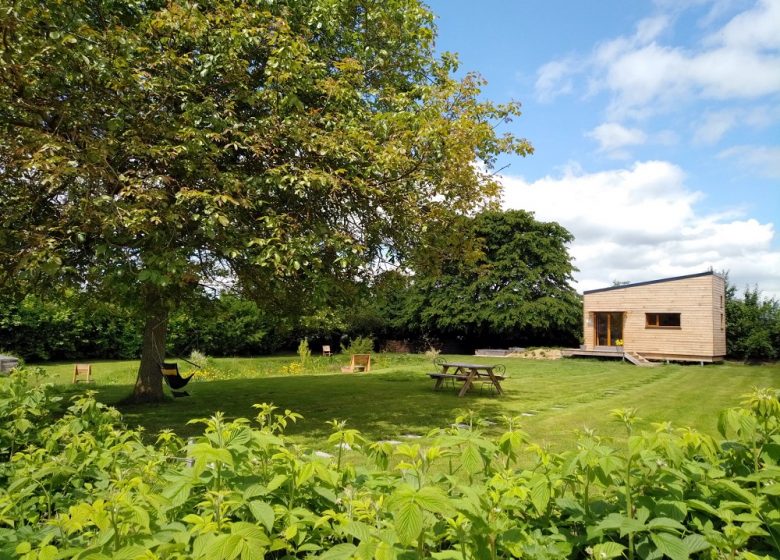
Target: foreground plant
82 485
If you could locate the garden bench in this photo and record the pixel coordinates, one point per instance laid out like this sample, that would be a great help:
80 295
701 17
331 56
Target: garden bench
82 370
442 377
359 362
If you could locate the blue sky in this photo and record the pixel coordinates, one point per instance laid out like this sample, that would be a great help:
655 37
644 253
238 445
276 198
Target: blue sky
656 127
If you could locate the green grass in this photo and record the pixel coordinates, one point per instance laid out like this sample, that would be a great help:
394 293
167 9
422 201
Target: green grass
555 398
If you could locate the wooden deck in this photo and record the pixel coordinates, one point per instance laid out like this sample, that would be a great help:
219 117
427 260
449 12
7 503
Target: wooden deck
581 353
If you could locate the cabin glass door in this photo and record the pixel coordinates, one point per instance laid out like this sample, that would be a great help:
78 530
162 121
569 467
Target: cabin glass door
609 328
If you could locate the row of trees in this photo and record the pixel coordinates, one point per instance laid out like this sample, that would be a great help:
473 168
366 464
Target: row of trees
485 299
503 280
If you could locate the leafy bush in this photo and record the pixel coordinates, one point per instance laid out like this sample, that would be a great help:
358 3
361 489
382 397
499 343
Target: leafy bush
199 358
85 486
753 325
359 345
304 352
67 328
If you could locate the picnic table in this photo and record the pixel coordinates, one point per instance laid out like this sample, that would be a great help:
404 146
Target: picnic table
468 374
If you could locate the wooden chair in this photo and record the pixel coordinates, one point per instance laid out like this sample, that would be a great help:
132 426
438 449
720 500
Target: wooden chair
82 370
359 362
326 350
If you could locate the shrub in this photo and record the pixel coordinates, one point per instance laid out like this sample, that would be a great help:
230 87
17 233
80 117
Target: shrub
359 345
304 352
83 485
753 325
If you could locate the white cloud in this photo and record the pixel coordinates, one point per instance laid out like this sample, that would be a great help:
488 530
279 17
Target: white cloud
554 79
714 125
641 223
757 28
762 160
613 137
738 61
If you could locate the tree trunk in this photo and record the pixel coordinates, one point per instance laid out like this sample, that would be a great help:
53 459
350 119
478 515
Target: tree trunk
148 385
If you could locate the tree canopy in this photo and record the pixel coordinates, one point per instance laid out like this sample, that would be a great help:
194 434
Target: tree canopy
752 324
150 146
505 278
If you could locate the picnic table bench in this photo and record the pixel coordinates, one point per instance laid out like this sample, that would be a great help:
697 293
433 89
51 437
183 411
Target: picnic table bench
468 374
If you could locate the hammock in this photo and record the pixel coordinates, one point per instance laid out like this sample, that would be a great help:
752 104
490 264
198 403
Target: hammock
170 372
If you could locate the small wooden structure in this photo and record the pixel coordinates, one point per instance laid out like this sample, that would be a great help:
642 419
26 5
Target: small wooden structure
359 362
82 372
681 319
7 363
326 350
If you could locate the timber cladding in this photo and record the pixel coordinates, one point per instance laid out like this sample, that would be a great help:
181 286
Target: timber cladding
680 318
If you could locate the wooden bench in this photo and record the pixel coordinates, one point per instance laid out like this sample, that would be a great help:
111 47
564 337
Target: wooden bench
442 377
84 370
359 362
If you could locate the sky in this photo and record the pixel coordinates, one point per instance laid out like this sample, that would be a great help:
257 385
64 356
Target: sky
655 125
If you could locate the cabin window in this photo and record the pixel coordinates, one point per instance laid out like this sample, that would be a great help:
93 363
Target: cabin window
662 320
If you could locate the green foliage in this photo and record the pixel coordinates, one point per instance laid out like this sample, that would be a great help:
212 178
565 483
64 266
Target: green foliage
80 484
152 147
304 352
501 276
228 325
752 325
67 328
359 345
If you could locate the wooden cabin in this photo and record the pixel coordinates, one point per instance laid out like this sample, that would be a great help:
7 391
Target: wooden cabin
681 318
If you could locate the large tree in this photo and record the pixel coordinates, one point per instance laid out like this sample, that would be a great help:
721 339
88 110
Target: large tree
149 146
752 324
504 278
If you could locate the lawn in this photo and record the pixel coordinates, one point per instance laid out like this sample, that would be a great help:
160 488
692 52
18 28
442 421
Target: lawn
396 400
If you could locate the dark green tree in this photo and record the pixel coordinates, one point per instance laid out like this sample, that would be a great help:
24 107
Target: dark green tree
149 147
752 325
503 276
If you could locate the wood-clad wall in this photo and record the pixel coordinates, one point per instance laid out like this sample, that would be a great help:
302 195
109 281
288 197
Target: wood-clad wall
699 300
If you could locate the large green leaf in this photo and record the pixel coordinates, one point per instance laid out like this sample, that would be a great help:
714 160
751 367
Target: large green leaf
471 459
343 551
666 524
223 547
433 499
695 543
670 545
264 513
408 522
676 510
608 550
540 492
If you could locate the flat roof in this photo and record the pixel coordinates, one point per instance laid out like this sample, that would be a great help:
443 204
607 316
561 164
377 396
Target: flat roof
708 273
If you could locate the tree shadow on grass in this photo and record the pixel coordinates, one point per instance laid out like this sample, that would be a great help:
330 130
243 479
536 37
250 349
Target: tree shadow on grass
379 405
